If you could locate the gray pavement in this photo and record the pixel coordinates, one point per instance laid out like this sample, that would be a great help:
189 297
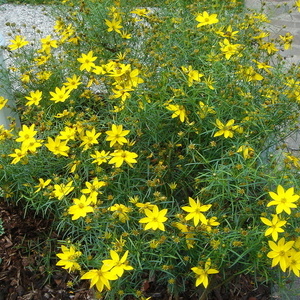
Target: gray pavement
284 18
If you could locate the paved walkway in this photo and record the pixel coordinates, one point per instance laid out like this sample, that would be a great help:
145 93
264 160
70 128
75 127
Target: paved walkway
284 18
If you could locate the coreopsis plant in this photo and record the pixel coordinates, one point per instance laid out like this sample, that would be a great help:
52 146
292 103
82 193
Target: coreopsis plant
18 43
68 258
155 139
3 102
284 200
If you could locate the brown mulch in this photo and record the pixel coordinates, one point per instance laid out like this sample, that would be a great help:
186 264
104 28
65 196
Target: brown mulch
22 249
24 274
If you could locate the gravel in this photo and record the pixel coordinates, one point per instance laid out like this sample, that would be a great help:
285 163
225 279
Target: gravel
27 19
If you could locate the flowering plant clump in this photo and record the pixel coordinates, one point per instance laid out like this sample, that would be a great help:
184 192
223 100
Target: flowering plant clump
155 139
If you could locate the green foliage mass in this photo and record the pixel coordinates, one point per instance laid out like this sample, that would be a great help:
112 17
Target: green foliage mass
206 105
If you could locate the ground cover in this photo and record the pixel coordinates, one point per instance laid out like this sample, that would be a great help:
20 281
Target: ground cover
154 141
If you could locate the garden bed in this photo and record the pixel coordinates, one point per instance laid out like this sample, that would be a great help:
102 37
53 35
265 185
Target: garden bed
146 153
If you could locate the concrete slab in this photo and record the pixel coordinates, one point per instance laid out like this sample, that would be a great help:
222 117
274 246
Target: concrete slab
270 7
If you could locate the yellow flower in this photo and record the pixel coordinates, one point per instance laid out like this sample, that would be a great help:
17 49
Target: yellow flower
209 82
18 43
34 98
211 222
275 226
100 278
41 60
143 206
42 184
119 244
205 110
60 95
178 111
68 258
114 25
98 70
251 74
3 102
287 40
61 190
132 78
193 75
292 159
202 274
47 44
26 133
120 211
25 78
155 218
247 151
280 253
142 12
65 113
226 129
172 185
59 25
229 49
261 35
125 35
31 145
121 156
297 4
264 66
80 208
18 155
86 61
117 135
67 134
92 188
270 47
297 243
89 139
5 133
44 75
206 19
284 200
195 211
116 264
57 146
121 92
72 82
72 166
117 69
228 33
294 262
100 157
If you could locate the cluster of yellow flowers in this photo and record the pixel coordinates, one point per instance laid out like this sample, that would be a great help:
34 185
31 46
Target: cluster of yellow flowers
155 219
111 269
58 146
29 143
286 254
154 157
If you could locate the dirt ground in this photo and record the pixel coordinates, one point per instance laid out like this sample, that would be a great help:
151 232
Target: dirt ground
23 248
26 275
